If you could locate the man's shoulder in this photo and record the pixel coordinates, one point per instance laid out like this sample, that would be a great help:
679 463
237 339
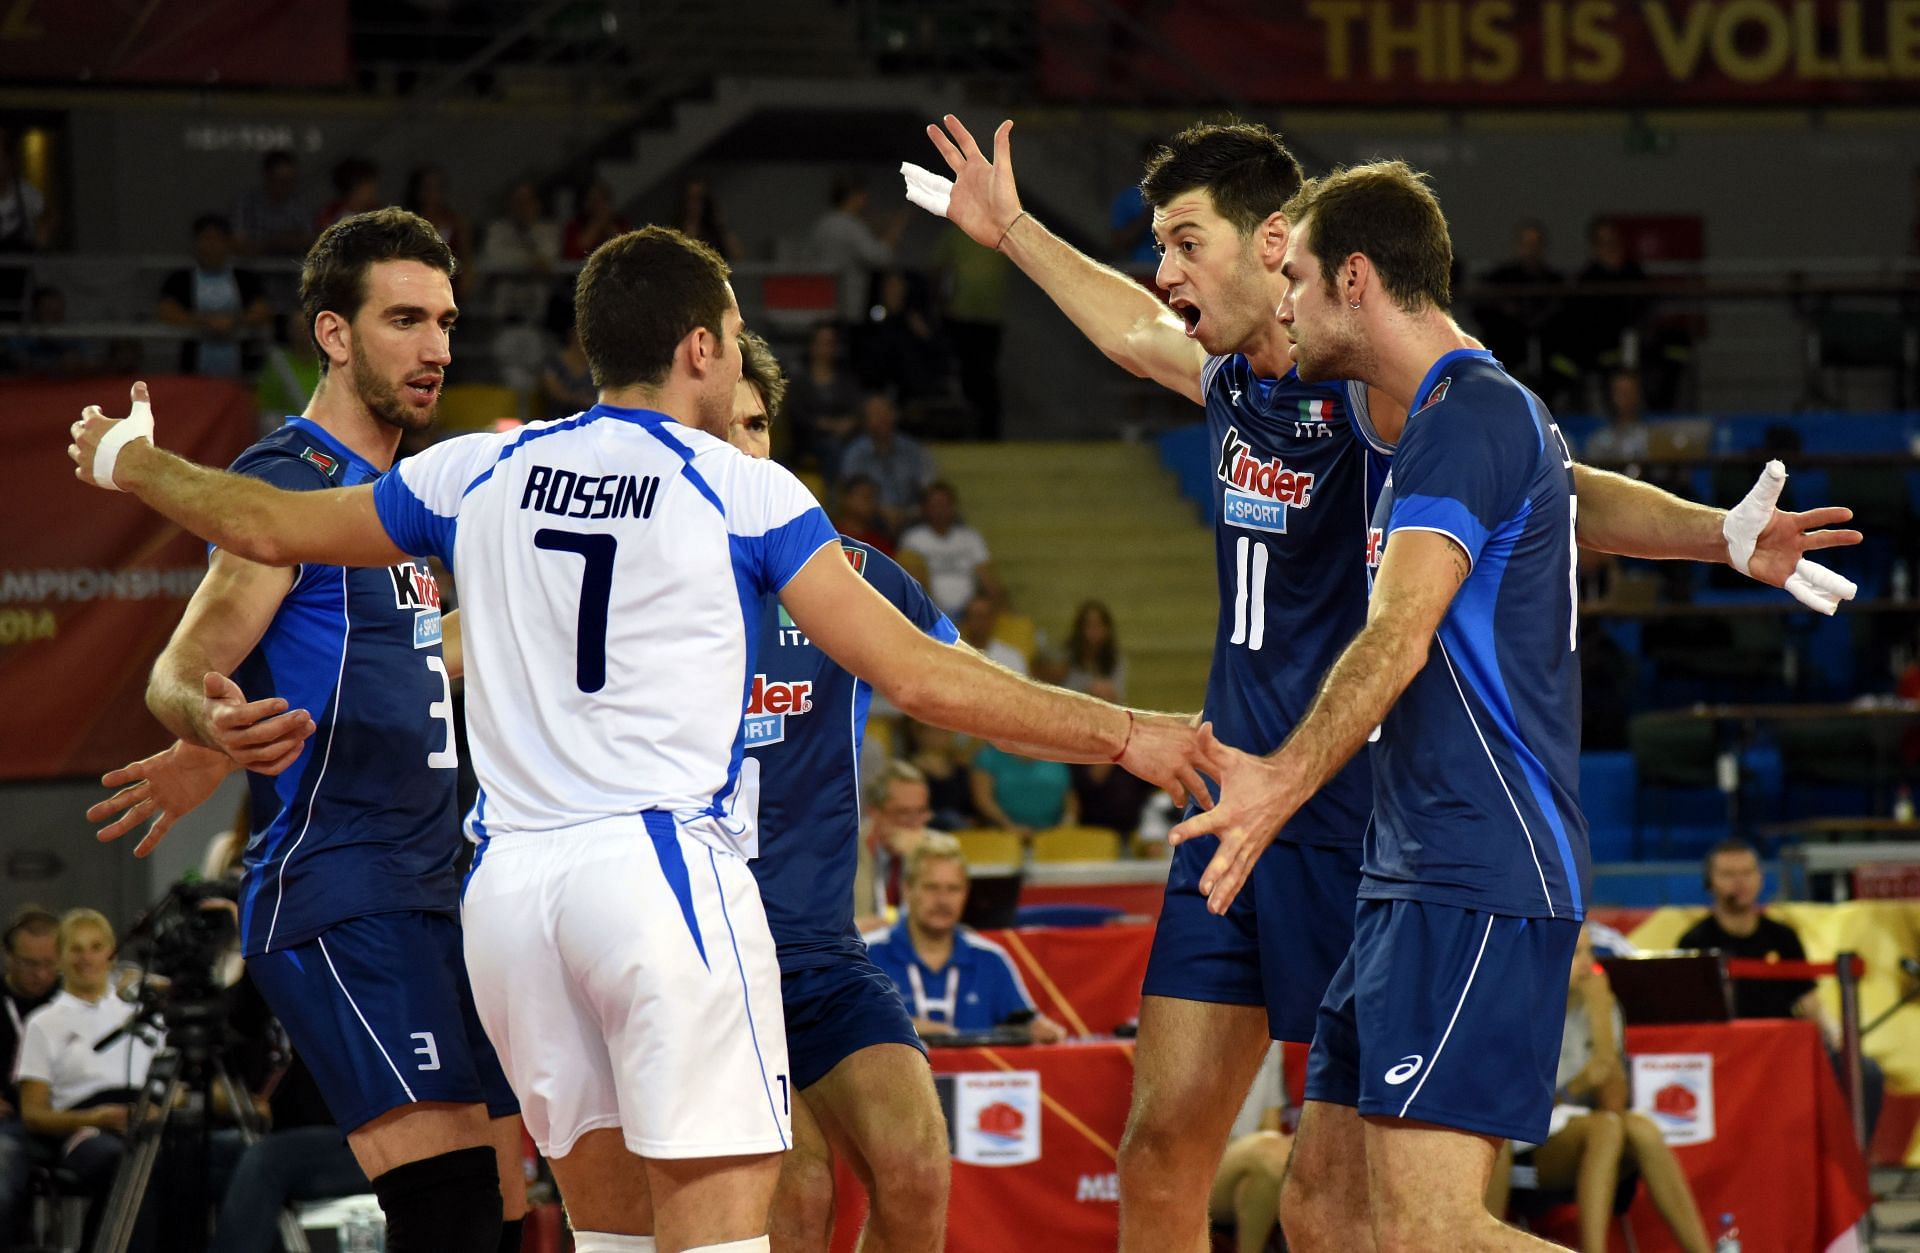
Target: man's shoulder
1778 929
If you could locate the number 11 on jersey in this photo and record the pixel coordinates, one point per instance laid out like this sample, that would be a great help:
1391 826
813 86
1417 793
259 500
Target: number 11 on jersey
1250 594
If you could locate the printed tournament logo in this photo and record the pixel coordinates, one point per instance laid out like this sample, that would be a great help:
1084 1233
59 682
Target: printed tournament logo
856 557
1675 1090
325 464
996 1118
415 589
768 705
1260 491
1438 394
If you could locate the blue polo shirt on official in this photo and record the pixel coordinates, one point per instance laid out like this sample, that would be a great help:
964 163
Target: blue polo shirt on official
977 990
1476 771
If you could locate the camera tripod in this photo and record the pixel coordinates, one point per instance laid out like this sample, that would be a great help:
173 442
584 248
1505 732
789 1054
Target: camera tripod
175 1107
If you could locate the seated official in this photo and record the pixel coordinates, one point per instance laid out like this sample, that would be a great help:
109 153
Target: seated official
32 979
951 978
1593 1139
70 1093
1737 926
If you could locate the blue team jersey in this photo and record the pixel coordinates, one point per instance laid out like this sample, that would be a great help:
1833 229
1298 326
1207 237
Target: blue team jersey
1291 508
804 722
363 822
977 990
1476 771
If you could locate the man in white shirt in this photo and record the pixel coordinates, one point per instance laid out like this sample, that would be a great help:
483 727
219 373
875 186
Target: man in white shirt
977 623
958 563
611 566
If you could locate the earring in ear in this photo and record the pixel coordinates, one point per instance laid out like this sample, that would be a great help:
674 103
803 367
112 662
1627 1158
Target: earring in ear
1353 304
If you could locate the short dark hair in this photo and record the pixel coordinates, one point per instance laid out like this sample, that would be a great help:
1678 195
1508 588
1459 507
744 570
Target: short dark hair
940 485
1385 210
275 158
761 368
350 171
31 920
845 186
1242 166
212 222
1732 844
639 295
333 279
858 480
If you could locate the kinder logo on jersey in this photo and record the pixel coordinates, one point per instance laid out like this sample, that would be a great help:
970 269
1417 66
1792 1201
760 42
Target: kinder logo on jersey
1376 540
996 1118
768 705
1259 492
414 588
1675 1090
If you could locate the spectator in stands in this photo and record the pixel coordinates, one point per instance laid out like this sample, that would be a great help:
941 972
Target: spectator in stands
1589 330
223 303
1737 925
518 252
1107 796
699 217
430 194
566 382
942 760
1094 663
48 355
274 219
70 1091
958 563
1512 326
1246 1188
859 514
597 221
899 464
1622 443
899 807
978 622
951 977
972 282
899 347
842 243
25 224
303 1158
823 401
1130 242
356 189
1020 794
1593 1138
32 978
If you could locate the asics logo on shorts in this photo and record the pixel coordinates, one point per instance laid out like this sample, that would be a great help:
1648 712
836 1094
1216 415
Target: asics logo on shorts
1409 1067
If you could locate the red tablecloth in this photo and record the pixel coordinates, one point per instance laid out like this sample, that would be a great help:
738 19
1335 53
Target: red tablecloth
1064 1200
1085 978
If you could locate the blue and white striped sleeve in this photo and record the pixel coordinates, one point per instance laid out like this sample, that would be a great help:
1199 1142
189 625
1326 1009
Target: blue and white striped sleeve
419 500
778 527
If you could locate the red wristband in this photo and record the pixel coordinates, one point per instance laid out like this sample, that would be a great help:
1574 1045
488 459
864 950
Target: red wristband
1124 743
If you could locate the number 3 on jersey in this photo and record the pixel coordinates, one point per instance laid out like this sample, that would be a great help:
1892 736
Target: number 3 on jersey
1250 594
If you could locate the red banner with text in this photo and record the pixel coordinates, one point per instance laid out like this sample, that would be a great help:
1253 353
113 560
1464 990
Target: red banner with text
92 582
264 42
1608 53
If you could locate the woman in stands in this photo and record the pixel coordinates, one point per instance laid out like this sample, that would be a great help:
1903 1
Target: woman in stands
80 1098
1094 663
1593 1133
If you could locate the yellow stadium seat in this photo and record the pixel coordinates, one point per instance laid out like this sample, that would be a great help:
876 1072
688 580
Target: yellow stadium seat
880 731
811 480
1076 844
990 846
476 407
1016 630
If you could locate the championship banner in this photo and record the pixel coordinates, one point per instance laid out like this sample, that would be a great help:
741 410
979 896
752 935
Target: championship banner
1607 53
92 582
263 42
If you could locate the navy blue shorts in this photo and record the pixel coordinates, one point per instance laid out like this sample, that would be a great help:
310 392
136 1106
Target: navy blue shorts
380 1010
1277 945
835 1011
1447 1015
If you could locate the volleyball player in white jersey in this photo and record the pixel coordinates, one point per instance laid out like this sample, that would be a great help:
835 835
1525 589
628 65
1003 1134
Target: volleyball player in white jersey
611 567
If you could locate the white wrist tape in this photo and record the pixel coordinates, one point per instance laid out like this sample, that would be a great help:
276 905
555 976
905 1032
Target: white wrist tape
928 190
138 425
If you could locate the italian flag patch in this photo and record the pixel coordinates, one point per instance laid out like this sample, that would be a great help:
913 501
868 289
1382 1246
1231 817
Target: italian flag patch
1316 411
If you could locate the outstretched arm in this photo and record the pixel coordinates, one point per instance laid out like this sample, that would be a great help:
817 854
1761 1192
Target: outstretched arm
262 523
1416 583
1123 319
1634 519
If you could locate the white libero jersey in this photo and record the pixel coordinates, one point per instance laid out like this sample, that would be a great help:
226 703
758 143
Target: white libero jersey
611 568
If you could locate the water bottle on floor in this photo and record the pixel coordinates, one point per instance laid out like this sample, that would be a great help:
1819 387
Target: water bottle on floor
1728 1240
366 1232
